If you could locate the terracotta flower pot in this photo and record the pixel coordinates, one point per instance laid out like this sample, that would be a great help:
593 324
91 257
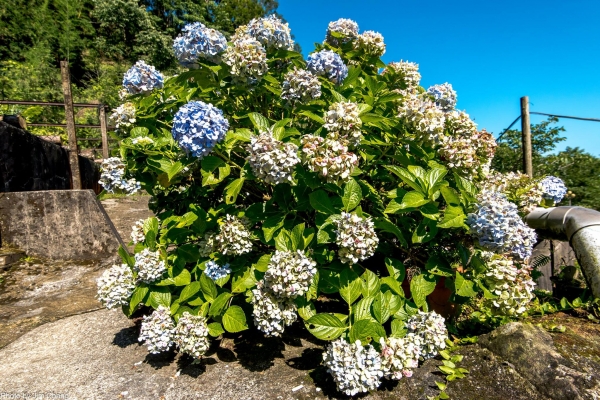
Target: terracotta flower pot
439 299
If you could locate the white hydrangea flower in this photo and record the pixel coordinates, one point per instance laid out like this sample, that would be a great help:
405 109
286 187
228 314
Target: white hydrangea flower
149 266
272 160
519 188
290 273
234 236
347 28
137 232
355 369
123 116
356 238
371 43
113 177
403 74
399 356
271 32
513 286
300 85
271 314
191 335
431 327
247 59
444 95
343 122
158 330
116 286
424 118
215 271
329 158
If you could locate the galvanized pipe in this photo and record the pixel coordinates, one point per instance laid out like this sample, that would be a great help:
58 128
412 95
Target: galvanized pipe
581 227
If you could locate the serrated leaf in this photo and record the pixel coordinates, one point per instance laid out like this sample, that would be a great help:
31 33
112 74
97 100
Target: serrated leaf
399 329
370 283
159 296
183 278
451 196
263 263
366 331
362 309
325 326
319 200
421 286
208 287
393 284
219 304
189 291
272 225
395 268
446 370
234 319
350 285
312 116
243 280
215 329
233 190
413 199
352 195
388 226
464 287
138 296
454 217
297 238
259 121
306 309
431 211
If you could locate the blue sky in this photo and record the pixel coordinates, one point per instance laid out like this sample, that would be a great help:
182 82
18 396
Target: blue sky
492 52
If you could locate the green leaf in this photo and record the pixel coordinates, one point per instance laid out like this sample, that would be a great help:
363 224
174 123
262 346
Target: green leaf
366 331
233 190
399 329
234 319
446 370
159 296
312 116
430 211
465 186
421 286
393 284
437 265
208 287
425 232
272 225
464 287
450 195
297 238
321 202
325 326
395 268
362 309
406 176
352 195
183 278
370 283
126 257
326 232
208 165
454 217
283 241
388 226
350 285
263 263
243 280
413 200
189 252
259 121
138 296
189 291
434 179
306 309
217 306
215 329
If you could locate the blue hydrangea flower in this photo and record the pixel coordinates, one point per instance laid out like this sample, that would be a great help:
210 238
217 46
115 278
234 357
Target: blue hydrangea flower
197 41
142 78
215 271
271 32
497 225
554 189
198 127
444 95
329 64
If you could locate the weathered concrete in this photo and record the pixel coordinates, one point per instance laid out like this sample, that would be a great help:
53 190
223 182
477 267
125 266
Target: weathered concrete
57 225
125 212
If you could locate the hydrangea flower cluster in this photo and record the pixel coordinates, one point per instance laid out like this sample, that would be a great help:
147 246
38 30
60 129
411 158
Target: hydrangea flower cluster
518 188
142 140
123 116
290 273
431 328
424 117
355 369
142 78
403 74
329 158
347 28
554 188
271 32
343 122
116 286
198 127
513 286
149 266
371 43
113 177
399 356
137 232
233 238
329 64
215 271
158 330
444 95
247 59
271 314
300 86
197 41
271 160
356 238
497 225
191 335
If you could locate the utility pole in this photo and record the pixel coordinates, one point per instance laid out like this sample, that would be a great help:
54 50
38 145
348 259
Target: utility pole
70 119
526 136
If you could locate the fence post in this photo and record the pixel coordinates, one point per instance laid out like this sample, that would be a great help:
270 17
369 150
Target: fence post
103 131
70 119
526 137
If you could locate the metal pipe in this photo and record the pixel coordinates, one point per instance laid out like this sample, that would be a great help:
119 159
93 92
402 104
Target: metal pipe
581 227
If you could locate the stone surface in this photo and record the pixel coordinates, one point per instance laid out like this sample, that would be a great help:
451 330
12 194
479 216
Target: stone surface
31 163
57 225
125 211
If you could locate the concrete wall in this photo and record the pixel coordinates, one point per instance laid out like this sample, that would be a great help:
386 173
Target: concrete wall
30 163
57 225
560 252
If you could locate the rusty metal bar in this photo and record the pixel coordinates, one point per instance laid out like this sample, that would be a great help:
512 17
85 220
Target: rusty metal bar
48 103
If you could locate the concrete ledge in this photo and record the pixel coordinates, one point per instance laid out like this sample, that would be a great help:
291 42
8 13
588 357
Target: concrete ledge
58 225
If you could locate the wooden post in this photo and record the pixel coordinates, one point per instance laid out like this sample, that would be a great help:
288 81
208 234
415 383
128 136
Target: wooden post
103 131
526 136
70 119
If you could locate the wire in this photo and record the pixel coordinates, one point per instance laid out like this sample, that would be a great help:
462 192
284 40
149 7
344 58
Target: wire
506 130
566 116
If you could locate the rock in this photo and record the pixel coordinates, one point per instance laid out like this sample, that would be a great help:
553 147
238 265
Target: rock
532 352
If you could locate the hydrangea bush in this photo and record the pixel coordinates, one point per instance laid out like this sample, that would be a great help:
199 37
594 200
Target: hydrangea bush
288 189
